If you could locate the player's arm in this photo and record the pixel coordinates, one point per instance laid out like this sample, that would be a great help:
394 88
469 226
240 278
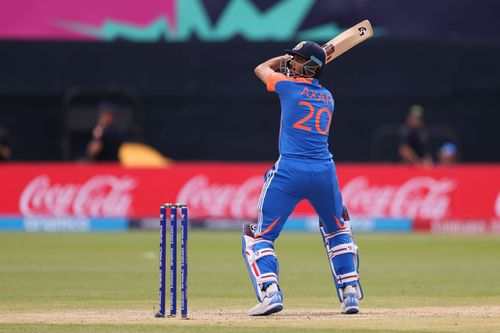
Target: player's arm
427 160
5 152
267 68
408 154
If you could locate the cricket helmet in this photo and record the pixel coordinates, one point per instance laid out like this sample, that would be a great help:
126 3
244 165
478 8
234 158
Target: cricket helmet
314 55
309 51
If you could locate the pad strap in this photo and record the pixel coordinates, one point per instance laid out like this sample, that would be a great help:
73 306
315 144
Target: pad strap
267 277
334 234
254 256
342 249
262 240
263 253
347 277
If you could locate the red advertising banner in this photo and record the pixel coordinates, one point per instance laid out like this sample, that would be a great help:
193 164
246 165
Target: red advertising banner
231 191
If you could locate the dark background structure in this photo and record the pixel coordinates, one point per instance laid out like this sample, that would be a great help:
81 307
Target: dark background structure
196 100
201 101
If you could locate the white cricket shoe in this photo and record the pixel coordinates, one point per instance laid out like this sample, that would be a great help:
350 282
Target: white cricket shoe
350 305
272 303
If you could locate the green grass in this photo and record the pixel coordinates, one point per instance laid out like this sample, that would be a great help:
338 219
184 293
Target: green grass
119 272
160 329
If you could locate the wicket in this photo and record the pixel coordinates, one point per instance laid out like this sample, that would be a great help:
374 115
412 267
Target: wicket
171 209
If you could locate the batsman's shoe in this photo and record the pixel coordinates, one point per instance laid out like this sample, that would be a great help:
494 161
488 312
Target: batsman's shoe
272 302
350 304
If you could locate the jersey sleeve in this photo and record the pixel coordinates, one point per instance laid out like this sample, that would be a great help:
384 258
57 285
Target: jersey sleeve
273 80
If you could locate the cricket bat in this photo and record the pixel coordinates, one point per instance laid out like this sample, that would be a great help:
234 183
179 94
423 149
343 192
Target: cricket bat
347 40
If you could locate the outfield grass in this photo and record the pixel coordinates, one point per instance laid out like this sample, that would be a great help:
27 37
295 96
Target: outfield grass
84 273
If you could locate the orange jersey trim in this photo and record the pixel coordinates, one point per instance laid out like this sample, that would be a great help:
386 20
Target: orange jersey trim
340 224
277 77
268 228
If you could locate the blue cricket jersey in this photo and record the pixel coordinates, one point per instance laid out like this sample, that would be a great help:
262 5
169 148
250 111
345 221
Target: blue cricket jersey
306 115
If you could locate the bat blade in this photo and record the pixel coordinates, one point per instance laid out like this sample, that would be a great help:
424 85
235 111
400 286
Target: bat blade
347 40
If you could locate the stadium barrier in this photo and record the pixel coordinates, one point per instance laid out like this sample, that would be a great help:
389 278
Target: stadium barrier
380 197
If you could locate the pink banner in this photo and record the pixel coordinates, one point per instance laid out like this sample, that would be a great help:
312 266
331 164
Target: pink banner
231 190
61 19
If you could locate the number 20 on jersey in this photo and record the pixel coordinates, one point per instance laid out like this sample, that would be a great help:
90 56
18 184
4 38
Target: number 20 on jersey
317 114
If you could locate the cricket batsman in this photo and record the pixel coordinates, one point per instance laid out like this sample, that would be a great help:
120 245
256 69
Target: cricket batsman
304 170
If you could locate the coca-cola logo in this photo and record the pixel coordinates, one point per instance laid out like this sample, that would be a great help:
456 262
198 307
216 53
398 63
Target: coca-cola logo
99 196
418 197
221 200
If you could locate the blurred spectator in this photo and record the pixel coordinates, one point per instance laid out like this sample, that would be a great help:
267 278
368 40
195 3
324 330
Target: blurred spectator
107 136
413 147
5 151
448 154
